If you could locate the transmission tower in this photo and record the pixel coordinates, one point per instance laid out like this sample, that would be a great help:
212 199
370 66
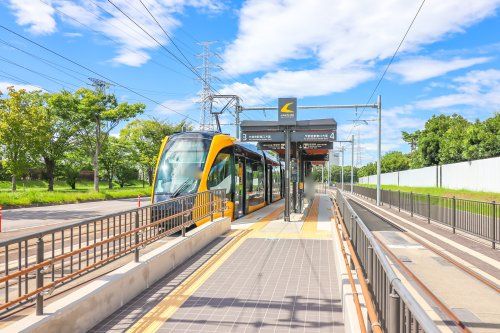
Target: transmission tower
359 147
206 118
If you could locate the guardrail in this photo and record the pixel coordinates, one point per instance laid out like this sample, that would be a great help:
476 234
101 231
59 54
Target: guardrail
35 265
398 311
477 218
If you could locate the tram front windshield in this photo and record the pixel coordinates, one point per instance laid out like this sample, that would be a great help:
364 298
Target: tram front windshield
180 168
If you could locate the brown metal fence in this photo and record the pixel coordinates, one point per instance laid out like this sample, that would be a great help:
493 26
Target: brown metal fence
478 218
33 266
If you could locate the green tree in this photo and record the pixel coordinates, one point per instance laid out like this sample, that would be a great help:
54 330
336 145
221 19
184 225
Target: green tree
125 173
73 161
430 140
145 137
367 170
98 114
482 139
18 125
411 139
55 131
395 161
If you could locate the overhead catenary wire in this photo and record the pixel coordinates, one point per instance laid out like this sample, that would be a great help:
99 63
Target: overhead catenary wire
94 72
390 62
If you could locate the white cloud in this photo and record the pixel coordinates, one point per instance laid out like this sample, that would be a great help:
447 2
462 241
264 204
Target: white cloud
73 34
186 106
347 37
35 14
4 85
134 44
477 89
316 82
423 68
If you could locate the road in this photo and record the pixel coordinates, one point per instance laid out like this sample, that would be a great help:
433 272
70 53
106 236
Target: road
23 219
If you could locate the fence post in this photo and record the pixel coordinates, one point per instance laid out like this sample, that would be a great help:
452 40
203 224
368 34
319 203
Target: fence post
369 271
428 208
454 213
212 206
352 228
390 198
1 218
39 277
223 203
493 224
182 219
399 200
411 204
394 319
136 251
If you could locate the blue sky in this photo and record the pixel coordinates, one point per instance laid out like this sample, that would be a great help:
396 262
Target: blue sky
321 51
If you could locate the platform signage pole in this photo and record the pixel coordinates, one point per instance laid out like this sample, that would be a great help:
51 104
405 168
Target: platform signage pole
287 175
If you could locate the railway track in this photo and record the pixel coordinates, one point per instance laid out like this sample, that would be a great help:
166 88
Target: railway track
456 323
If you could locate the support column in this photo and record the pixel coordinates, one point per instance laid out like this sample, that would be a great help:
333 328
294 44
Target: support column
287 175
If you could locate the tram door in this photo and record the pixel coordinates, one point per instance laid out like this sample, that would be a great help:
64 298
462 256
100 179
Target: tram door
239 186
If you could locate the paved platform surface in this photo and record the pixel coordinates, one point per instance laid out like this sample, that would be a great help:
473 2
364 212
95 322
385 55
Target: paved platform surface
18 221
264 276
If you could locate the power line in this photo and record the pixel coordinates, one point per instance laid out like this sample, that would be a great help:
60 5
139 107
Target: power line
109 38
48 77
94 72
166 33
152 37
392 59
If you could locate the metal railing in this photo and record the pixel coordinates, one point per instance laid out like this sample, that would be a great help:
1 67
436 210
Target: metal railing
398 311
477 218
35 265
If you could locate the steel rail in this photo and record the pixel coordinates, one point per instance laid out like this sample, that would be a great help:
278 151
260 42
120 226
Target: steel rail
416 310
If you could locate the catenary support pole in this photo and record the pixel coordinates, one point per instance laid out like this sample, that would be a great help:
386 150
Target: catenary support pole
352 163
379 146
342 169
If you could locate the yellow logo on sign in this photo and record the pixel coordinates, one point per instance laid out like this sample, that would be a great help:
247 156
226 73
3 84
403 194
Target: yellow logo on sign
285 108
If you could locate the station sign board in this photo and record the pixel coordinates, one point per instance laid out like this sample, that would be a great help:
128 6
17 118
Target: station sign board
316 145
287 111
316 136
272 146
263 137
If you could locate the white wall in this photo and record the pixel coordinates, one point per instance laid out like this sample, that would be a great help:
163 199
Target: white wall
478 175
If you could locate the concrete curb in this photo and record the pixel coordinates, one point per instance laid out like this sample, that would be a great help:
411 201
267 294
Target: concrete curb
81 310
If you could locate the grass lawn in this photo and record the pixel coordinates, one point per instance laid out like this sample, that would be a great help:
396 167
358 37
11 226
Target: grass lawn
35 193
443 192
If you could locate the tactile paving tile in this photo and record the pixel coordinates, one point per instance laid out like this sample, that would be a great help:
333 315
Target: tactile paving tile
267 285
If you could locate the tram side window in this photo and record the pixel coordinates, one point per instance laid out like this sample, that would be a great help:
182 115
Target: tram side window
276 182
254 182
220 176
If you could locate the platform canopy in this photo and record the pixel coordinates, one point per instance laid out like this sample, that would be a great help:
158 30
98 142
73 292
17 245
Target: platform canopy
311 137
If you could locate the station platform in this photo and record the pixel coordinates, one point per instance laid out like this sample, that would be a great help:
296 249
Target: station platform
265 275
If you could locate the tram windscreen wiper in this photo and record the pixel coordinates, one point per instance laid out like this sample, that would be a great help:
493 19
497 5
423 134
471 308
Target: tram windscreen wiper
182 187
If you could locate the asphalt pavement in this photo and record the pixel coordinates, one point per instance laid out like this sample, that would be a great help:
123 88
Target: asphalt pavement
23 219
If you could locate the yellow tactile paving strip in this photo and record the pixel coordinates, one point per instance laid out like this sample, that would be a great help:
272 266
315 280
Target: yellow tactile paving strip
154 319
157 316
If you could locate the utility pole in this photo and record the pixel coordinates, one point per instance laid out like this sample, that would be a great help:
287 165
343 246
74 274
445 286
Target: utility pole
206 119
379 146
100 88
352 163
